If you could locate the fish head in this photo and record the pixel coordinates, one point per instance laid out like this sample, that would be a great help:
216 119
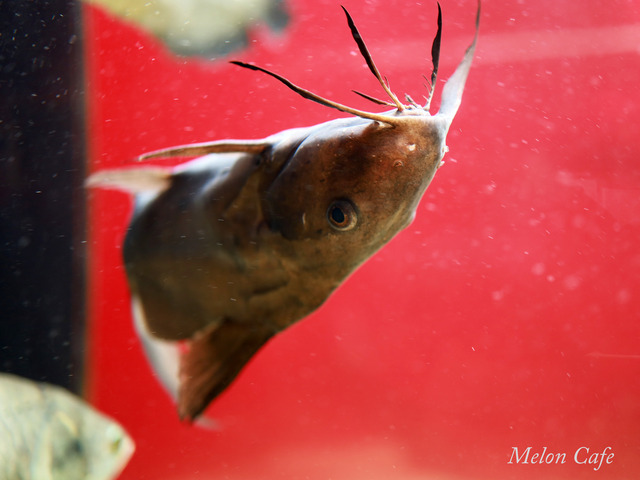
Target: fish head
352 184
85 443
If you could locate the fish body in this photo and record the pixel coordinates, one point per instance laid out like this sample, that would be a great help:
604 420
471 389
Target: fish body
229 249
46 433
246 229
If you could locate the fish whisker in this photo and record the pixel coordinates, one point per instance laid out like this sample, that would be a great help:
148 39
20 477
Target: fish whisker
369 59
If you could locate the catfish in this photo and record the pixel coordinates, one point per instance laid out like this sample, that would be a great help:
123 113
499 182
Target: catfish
225 251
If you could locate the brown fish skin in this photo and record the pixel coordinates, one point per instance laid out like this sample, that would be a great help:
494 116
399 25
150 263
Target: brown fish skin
240 244
229 249
234 254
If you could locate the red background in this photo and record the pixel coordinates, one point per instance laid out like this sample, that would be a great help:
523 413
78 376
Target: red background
506 315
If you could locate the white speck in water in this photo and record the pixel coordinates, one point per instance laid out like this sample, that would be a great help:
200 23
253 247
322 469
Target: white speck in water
623 296
497 295
572 282
538 268
578 221
411 147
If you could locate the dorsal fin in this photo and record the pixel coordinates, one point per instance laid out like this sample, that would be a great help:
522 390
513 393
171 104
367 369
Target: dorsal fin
205 148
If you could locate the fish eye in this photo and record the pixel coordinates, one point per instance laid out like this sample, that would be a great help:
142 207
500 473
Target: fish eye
341 215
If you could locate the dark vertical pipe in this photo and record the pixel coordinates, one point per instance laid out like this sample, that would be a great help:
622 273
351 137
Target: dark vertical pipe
41 199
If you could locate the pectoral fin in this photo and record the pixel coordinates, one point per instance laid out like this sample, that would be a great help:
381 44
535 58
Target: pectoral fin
452 91
215 357
132 180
